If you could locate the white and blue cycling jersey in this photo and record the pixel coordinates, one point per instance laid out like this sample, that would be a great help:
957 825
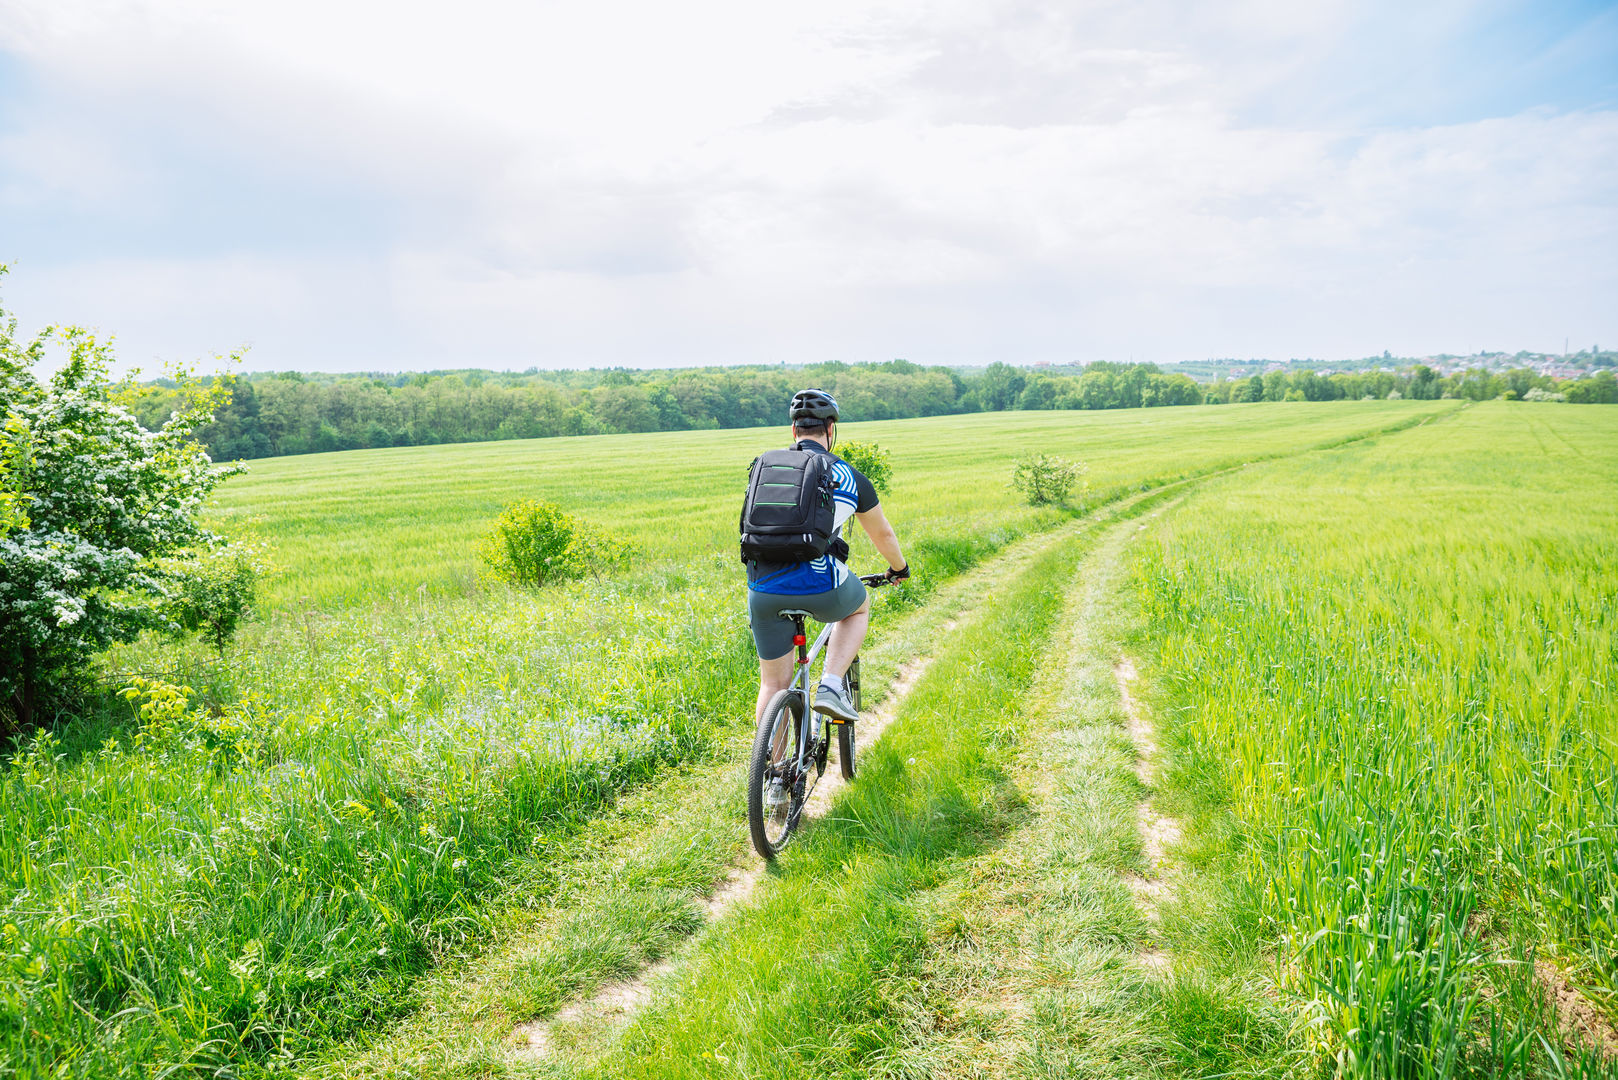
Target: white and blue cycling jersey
854 494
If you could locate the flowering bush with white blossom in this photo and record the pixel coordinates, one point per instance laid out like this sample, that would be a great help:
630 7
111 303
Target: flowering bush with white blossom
93 503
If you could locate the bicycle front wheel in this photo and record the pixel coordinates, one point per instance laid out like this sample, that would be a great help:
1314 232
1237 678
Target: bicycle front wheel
772 775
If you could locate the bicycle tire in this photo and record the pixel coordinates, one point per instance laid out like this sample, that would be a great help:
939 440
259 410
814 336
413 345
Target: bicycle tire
846 760
845 750
786 707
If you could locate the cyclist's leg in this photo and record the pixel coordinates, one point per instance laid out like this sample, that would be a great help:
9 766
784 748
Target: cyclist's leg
848 609
846 638
773 676
772 637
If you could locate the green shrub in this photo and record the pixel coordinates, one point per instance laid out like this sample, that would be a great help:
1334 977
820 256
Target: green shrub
870 459
213 589
12 501
93 504
1045 478
534 542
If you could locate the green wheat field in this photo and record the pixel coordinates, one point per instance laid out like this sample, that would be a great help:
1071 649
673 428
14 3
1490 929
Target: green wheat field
1355 814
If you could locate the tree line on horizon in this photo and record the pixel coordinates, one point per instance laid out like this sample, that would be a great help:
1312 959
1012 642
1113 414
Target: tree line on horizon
285 413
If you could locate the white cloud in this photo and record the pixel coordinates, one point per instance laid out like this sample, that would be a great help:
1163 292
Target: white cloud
647 184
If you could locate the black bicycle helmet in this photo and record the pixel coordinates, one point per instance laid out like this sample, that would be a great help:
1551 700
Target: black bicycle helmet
812 405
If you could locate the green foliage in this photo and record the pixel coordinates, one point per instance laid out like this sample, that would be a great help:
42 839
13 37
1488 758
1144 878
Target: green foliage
13 502
1395 721
213 588
1599 389
1418 382
270 415
1000 386
267 414
869 458
1045 478
535 543
347 797
284 862
105 501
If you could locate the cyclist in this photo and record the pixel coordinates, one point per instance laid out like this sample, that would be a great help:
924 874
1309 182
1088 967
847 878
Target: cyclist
824 587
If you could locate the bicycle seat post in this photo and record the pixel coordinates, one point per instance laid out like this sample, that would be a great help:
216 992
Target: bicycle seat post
801 640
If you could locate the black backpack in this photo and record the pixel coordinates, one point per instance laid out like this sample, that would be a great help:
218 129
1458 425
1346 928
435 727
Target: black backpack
789 514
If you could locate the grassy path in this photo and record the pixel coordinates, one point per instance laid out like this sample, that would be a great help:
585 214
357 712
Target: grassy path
943 918
995 897
633 893
1036 954
1047 955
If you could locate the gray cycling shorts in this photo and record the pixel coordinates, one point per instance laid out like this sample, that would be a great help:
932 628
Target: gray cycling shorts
772 632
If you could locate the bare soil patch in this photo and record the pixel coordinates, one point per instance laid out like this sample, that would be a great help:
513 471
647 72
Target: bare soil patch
1140 729
1577 1015
1158 832
616 1001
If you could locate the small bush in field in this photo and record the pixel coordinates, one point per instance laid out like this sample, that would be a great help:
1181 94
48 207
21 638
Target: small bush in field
214 589
534 543
1045 478
870 459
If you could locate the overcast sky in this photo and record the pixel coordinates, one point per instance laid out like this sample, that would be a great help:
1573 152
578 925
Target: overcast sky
347 186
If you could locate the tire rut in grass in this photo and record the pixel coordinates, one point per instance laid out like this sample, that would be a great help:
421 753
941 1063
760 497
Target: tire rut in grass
613 1006
1031 963
871 727
610 1007
1158 833
617 1002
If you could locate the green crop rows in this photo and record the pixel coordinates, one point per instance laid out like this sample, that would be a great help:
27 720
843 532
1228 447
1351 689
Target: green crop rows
1394 666
1383 671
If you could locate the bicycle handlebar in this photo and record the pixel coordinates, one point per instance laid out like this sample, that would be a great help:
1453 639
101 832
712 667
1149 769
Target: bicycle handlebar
876 581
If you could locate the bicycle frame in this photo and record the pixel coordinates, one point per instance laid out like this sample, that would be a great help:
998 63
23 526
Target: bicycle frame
807 654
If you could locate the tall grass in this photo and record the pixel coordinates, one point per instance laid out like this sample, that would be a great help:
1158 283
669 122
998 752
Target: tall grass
1393 670
248 880
226 887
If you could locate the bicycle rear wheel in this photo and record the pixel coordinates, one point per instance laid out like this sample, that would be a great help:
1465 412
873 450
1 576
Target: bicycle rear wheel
772 779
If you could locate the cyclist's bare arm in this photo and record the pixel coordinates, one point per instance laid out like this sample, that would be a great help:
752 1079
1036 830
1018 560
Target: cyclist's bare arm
876 526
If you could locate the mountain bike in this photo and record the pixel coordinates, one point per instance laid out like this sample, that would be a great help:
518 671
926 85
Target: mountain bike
793 742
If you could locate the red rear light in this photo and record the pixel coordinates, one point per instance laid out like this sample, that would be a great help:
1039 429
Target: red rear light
799 640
